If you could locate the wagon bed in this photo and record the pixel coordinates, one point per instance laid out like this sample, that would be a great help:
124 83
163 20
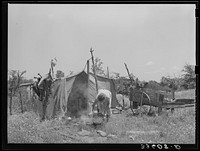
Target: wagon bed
179 103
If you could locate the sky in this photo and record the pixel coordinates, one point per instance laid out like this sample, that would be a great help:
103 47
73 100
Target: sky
154 40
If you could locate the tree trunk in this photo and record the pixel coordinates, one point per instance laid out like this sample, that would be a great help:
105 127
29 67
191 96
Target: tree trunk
10 105
20 98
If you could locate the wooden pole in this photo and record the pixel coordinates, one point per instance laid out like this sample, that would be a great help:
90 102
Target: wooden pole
88 67
173 94
91 51
20 98
128 73
141 102
108 72
88 95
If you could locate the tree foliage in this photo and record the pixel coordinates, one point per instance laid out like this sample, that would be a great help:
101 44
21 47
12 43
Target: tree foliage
189 76
98 67
172 83
154 85
12 81
121 83
15 79
186 81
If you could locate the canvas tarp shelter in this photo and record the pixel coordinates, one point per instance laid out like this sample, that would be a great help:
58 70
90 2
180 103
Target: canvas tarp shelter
74 96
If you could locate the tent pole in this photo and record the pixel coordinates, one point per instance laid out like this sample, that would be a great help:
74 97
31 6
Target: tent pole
129 74
108 72
91 51
141 102
88 73
88 67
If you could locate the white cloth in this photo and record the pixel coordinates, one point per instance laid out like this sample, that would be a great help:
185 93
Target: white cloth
103 108
107 93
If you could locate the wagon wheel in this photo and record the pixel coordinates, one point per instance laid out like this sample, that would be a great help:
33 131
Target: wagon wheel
148 107
131 106
149 110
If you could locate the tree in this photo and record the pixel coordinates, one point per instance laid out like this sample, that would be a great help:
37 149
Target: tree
19 76
164 81
154 85
173 83
59 74
98 67
15 79
189 76
122 83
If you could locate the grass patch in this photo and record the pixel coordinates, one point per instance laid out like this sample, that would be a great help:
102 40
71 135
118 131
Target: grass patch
26 128
178 127
175 128
187 94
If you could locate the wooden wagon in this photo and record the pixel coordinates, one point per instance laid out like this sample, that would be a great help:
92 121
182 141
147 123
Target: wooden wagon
154 98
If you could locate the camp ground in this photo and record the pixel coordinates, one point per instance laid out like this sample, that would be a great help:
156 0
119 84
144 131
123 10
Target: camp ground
74 95
59 110
100 74
60 113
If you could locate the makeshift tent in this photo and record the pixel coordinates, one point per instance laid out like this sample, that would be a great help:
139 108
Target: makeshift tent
74 96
